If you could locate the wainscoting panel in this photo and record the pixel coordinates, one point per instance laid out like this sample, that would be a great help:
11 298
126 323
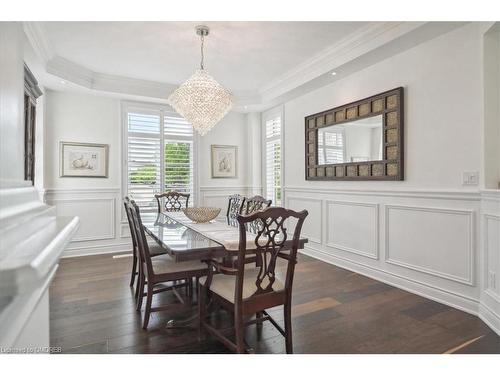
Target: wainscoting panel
492 246
431 240
101 229
422 241
97 217
312 228
353 227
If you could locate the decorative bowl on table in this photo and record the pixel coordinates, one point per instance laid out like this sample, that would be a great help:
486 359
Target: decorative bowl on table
201 214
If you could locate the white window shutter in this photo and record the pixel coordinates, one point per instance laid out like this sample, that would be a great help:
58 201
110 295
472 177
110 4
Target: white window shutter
156 141
273 160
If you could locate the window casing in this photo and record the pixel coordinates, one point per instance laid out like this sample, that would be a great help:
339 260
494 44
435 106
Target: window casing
159 154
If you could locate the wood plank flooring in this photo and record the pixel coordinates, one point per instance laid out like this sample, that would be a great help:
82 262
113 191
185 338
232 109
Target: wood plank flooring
335 311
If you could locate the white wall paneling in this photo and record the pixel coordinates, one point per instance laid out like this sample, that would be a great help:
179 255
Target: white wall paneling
97 216
353 227
492 254
312 228
436 241
101 229
490 296
437 260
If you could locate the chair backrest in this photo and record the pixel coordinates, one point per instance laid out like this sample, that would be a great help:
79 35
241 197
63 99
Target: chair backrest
234 208
256 203
140 235
270 239
172 201
126 203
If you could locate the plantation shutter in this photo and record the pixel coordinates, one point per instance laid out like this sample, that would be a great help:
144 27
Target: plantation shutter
160 155
144 158
179 155
273 159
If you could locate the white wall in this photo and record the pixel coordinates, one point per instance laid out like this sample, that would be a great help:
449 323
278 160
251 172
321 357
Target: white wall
11 105
442 81
77 117
421 234
81 118
491 52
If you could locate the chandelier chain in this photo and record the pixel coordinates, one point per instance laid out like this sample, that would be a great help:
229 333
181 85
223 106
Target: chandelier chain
202 54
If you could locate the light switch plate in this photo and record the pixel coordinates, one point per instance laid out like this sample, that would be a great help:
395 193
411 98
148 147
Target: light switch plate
470 178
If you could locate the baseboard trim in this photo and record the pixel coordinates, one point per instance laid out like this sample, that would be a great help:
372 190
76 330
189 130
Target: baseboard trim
459 302
489 317
96 250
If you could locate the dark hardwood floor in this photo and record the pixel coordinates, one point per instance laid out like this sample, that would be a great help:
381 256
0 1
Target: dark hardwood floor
335 311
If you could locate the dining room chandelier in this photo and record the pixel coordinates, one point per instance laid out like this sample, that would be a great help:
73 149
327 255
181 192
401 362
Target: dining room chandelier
201 100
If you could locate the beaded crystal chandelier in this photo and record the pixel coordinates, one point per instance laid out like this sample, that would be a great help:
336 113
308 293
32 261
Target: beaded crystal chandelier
201 100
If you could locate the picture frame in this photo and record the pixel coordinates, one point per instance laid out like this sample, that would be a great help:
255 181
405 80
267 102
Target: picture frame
224 159
83 160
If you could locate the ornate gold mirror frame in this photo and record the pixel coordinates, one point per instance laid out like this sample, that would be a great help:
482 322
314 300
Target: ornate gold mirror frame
389 104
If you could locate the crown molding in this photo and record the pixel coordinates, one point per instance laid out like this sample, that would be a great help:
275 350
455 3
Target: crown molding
38 38
368 38
368 45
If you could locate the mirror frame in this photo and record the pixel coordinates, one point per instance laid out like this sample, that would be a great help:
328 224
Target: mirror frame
390 105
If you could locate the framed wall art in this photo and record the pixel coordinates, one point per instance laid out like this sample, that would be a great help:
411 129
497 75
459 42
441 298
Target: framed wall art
83 159
224 161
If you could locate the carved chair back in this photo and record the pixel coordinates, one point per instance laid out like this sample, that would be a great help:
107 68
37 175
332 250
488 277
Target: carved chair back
256 203
270 239
234 208
172 201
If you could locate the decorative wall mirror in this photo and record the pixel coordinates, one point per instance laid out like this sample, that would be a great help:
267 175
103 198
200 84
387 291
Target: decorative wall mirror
357 141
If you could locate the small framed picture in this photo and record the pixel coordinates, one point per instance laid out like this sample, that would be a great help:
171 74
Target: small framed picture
83 159
224 161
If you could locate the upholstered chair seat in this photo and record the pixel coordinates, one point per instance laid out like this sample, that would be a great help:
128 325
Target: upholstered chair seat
224 285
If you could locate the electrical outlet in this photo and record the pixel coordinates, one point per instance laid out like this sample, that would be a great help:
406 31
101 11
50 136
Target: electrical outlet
492 280
470 178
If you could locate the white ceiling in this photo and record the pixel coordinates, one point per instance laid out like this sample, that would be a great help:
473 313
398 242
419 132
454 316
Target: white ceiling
243 56
262 63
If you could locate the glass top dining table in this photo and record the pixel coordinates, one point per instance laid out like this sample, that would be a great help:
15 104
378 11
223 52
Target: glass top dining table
184 243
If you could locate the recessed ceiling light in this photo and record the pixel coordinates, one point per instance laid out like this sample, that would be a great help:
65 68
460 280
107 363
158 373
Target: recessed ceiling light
63 82
333 73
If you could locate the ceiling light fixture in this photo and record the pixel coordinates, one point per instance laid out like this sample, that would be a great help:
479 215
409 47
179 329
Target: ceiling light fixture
201 100
333 73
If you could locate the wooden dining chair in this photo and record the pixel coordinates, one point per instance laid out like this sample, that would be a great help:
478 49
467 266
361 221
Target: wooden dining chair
154 250
159 270
256 203
234 208
172 201
247 291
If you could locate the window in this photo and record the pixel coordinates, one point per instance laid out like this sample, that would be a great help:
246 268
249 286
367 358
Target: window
272 169
159 155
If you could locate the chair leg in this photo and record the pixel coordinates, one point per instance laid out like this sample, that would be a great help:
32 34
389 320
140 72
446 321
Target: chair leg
202 310
140 290
149 301
239 326
259 325
288 327
134 269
